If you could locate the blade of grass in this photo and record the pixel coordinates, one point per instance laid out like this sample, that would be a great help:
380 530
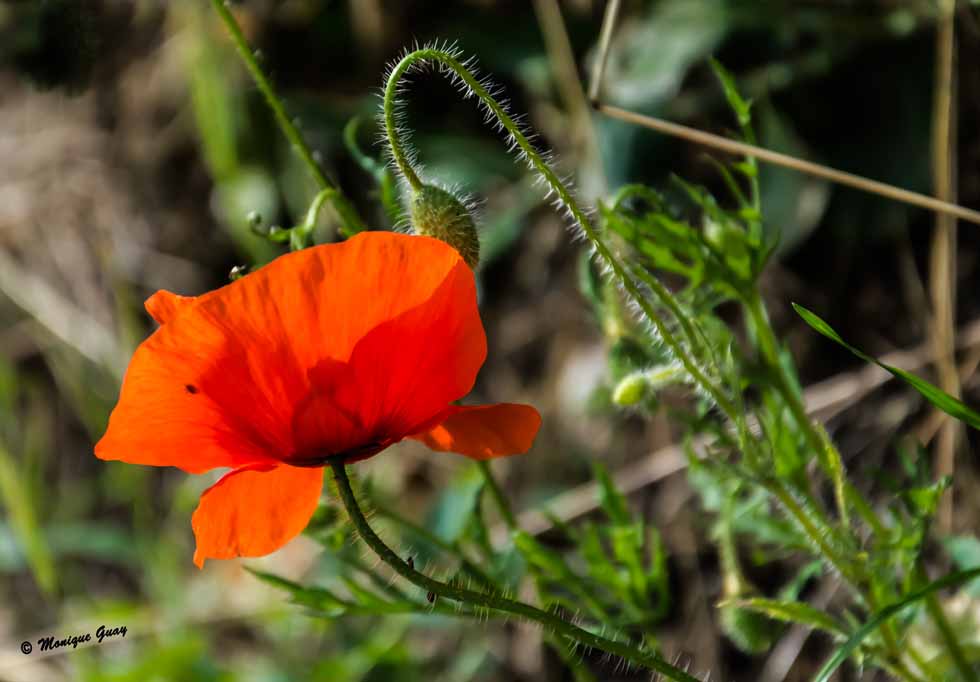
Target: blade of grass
846 649
23 520
939 398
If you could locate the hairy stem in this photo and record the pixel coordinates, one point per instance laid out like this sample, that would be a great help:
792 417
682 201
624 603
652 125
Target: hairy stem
538 163
494 602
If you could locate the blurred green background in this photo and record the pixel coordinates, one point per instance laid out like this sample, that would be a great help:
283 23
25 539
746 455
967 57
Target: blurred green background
133 146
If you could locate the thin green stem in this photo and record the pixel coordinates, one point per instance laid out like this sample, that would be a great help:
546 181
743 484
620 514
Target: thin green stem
503 505
494 602
537 162
340 203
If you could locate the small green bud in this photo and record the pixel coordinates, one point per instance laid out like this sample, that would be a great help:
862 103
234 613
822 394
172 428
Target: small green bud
437 213
630 390
636 386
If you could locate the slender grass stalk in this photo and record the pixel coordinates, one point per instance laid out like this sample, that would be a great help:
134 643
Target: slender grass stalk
494 602
350 219
503 505
785 160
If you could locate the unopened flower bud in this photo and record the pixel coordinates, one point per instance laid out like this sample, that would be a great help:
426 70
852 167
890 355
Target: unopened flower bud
437 213
635 386
630 390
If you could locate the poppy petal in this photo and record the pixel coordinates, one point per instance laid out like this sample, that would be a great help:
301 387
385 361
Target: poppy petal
164 305
408 369
485 431
221 383
168 416
254 511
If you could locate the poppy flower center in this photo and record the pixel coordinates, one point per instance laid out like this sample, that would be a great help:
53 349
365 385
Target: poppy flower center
347 456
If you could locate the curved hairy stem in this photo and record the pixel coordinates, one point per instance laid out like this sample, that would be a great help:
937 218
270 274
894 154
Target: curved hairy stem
494 602
536 161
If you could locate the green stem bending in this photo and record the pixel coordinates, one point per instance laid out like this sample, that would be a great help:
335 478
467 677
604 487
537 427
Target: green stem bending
494 602
339 202
538 163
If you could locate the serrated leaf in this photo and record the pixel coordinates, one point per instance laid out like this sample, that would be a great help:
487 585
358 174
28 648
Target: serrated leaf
939 398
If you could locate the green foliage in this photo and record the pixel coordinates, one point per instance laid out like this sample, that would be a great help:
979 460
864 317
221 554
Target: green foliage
617 570
760 457
771 482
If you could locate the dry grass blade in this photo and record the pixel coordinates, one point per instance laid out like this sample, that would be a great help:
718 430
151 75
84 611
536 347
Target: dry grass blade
942 275
832 174
59 316
605 41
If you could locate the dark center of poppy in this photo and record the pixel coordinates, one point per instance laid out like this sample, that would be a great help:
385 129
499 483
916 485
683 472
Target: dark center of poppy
347 456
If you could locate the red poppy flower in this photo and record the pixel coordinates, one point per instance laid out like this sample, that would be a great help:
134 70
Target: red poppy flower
333 352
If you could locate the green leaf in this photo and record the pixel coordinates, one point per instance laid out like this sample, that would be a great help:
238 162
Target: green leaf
939 398
317 598
793 612
538 555
740 106
846 649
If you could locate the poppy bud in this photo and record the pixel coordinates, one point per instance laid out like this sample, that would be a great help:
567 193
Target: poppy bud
630 390
437 213
633 387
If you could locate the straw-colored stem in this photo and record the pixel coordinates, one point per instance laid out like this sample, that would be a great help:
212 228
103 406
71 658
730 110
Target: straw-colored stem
742 149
